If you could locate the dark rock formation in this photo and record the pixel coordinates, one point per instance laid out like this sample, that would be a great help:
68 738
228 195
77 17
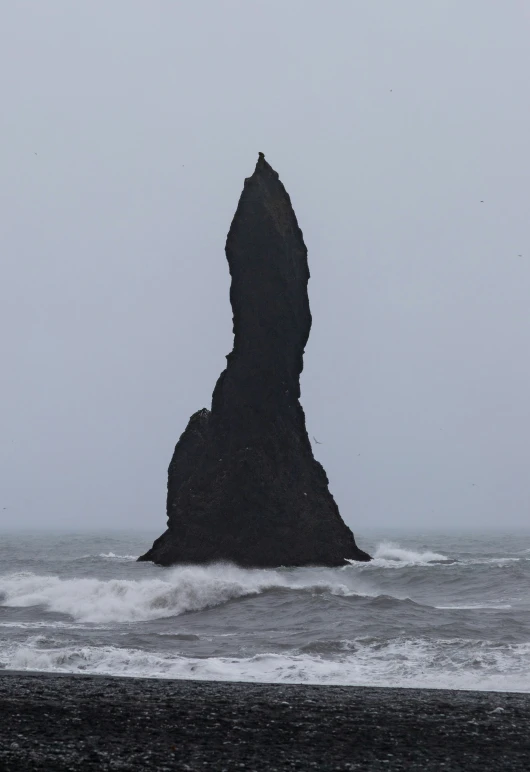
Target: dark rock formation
243 484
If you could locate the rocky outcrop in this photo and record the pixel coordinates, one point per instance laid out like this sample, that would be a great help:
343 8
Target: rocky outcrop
243 484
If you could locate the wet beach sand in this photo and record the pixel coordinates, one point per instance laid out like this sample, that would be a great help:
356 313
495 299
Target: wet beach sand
67 722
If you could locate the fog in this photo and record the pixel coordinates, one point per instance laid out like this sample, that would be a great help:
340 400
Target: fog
401 133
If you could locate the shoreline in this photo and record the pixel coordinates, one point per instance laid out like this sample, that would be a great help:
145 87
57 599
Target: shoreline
66 721
171 679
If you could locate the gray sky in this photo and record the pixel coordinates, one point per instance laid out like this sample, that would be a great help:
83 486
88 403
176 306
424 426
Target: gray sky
127 128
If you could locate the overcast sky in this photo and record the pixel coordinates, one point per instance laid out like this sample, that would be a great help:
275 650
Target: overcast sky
401 131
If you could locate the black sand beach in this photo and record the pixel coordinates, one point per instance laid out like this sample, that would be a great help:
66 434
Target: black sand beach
55 722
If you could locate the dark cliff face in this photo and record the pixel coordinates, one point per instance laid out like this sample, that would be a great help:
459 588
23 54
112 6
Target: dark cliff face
243 484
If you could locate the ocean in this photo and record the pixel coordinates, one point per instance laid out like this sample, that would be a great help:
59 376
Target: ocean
440 610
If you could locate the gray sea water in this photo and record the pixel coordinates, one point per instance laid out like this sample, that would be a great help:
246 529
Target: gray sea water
431 610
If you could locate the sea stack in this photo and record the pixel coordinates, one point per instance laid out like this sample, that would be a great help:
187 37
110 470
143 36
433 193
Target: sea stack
243 485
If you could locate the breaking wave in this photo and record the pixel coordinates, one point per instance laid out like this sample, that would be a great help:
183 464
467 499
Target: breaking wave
444 615
387 551
183 589
453 664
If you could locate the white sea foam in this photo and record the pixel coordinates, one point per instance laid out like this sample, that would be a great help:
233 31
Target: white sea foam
190 588
453 664
390 551
390 555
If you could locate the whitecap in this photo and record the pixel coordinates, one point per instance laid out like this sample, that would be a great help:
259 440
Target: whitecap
419 663
183 589
390 555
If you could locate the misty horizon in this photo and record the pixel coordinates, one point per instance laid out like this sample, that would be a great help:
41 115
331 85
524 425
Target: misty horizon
401 138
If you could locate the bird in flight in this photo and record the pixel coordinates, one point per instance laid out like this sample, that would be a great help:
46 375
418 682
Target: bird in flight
317 442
